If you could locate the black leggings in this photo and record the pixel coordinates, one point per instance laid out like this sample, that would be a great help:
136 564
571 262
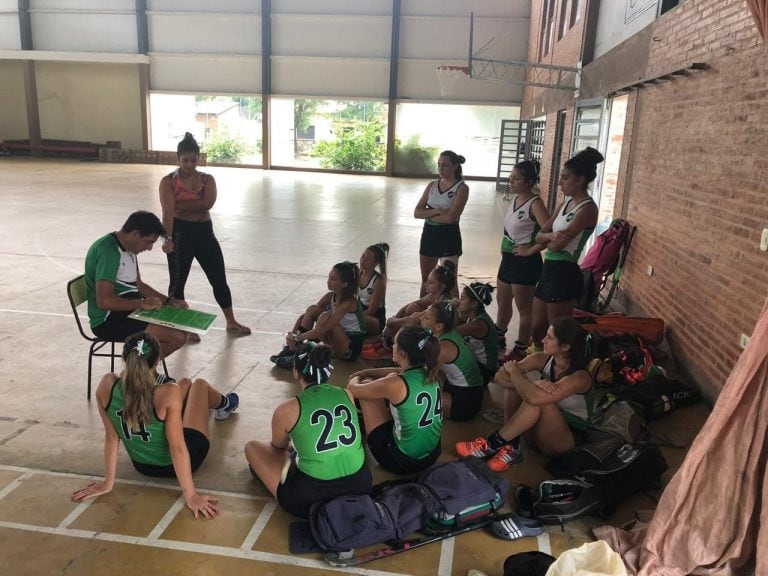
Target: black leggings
196 240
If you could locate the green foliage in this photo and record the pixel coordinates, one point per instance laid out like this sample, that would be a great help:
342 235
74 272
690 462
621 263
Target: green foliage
363 110
303 111
410 158
224 149
358 146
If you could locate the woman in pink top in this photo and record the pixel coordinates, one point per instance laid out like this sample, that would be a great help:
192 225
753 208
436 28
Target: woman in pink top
187 197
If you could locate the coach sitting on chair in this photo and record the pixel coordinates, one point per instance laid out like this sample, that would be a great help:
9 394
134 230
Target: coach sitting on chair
115 288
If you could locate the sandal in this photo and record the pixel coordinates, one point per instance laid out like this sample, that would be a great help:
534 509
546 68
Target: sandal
238 330
514 526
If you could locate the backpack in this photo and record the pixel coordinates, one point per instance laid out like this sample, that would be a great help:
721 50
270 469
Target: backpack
622 472
654 397
601 260
447 496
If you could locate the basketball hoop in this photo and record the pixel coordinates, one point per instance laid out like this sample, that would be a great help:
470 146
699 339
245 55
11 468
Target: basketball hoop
448 76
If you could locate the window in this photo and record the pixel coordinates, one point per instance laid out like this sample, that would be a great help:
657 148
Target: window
547 28
563 17
424 130
228 128
586 127
667 5
332 134
575 5
535 147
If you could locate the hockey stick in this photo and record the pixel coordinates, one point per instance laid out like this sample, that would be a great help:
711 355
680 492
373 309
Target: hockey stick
345 560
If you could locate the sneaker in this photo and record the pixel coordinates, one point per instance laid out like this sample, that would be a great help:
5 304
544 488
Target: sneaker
233 401
505 457
380 353
515 355
477 447
286 351
513 526
284 362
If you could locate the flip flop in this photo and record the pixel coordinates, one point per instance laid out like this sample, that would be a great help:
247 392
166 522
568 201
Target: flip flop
513 527
238 330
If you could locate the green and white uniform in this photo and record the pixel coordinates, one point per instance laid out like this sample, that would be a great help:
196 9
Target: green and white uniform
576 408
571 251
327 435
520 227
463 371
148 444
107 260
485 350
353 323
418 419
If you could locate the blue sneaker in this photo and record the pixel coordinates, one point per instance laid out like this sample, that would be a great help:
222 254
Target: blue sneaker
233 401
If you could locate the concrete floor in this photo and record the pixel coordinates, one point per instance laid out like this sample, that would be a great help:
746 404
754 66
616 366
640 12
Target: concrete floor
281 232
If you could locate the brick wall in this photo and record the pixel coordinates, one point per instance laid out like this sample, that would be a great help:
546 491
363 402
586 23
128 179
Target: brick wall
696 186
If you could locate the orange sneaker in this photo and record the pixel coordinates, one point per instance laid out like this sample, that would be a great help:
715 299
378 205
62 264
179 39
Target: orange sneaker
505 457
477 447
380 353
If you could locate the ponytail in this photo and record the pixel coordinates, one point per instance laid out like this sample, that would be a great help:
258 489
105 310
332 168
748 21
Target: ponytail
421 347
140 354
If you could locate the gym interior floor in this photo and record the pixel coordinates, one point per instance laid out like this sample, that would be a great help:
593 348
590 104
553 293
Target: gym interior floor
281 232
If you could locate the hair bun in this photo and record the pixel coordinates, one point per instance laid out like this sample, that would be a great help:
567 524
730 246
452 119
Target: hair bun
460 158
589 156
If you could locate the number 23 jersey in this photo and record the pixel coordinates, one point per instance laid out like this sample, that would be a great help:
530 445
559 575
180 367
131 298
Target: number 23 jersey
327 435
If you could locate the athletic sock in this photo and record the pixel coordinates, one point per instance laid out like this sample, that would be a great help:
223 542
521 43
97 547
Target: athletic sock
515 442
495 441
522 346
224 402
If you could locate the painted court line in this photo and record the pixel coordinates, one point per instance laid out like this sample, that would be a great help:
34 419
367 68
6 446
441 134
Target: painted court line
258 526
167 518
193 547
15 484
445 568
543 542
79 509
28 472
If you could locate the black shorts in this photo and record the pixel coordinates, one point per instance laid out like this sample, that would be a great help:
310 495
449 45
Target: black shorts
488 373
355 346
381 443
299 491
197 446
466 401
523 270
381 317
440 240
560 281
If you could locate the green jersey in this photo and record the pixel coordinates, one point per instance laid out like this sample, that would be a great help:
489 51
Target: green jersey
463 371
419 417
327 435
107 260
485 350
148 444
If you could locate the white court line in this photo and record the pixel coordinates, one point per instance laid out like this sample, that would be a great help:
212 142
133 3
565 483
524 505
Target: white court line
29 472
16 483
85 319
193 547
445 568
544 545
59 264
79 509
167 518
258 526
